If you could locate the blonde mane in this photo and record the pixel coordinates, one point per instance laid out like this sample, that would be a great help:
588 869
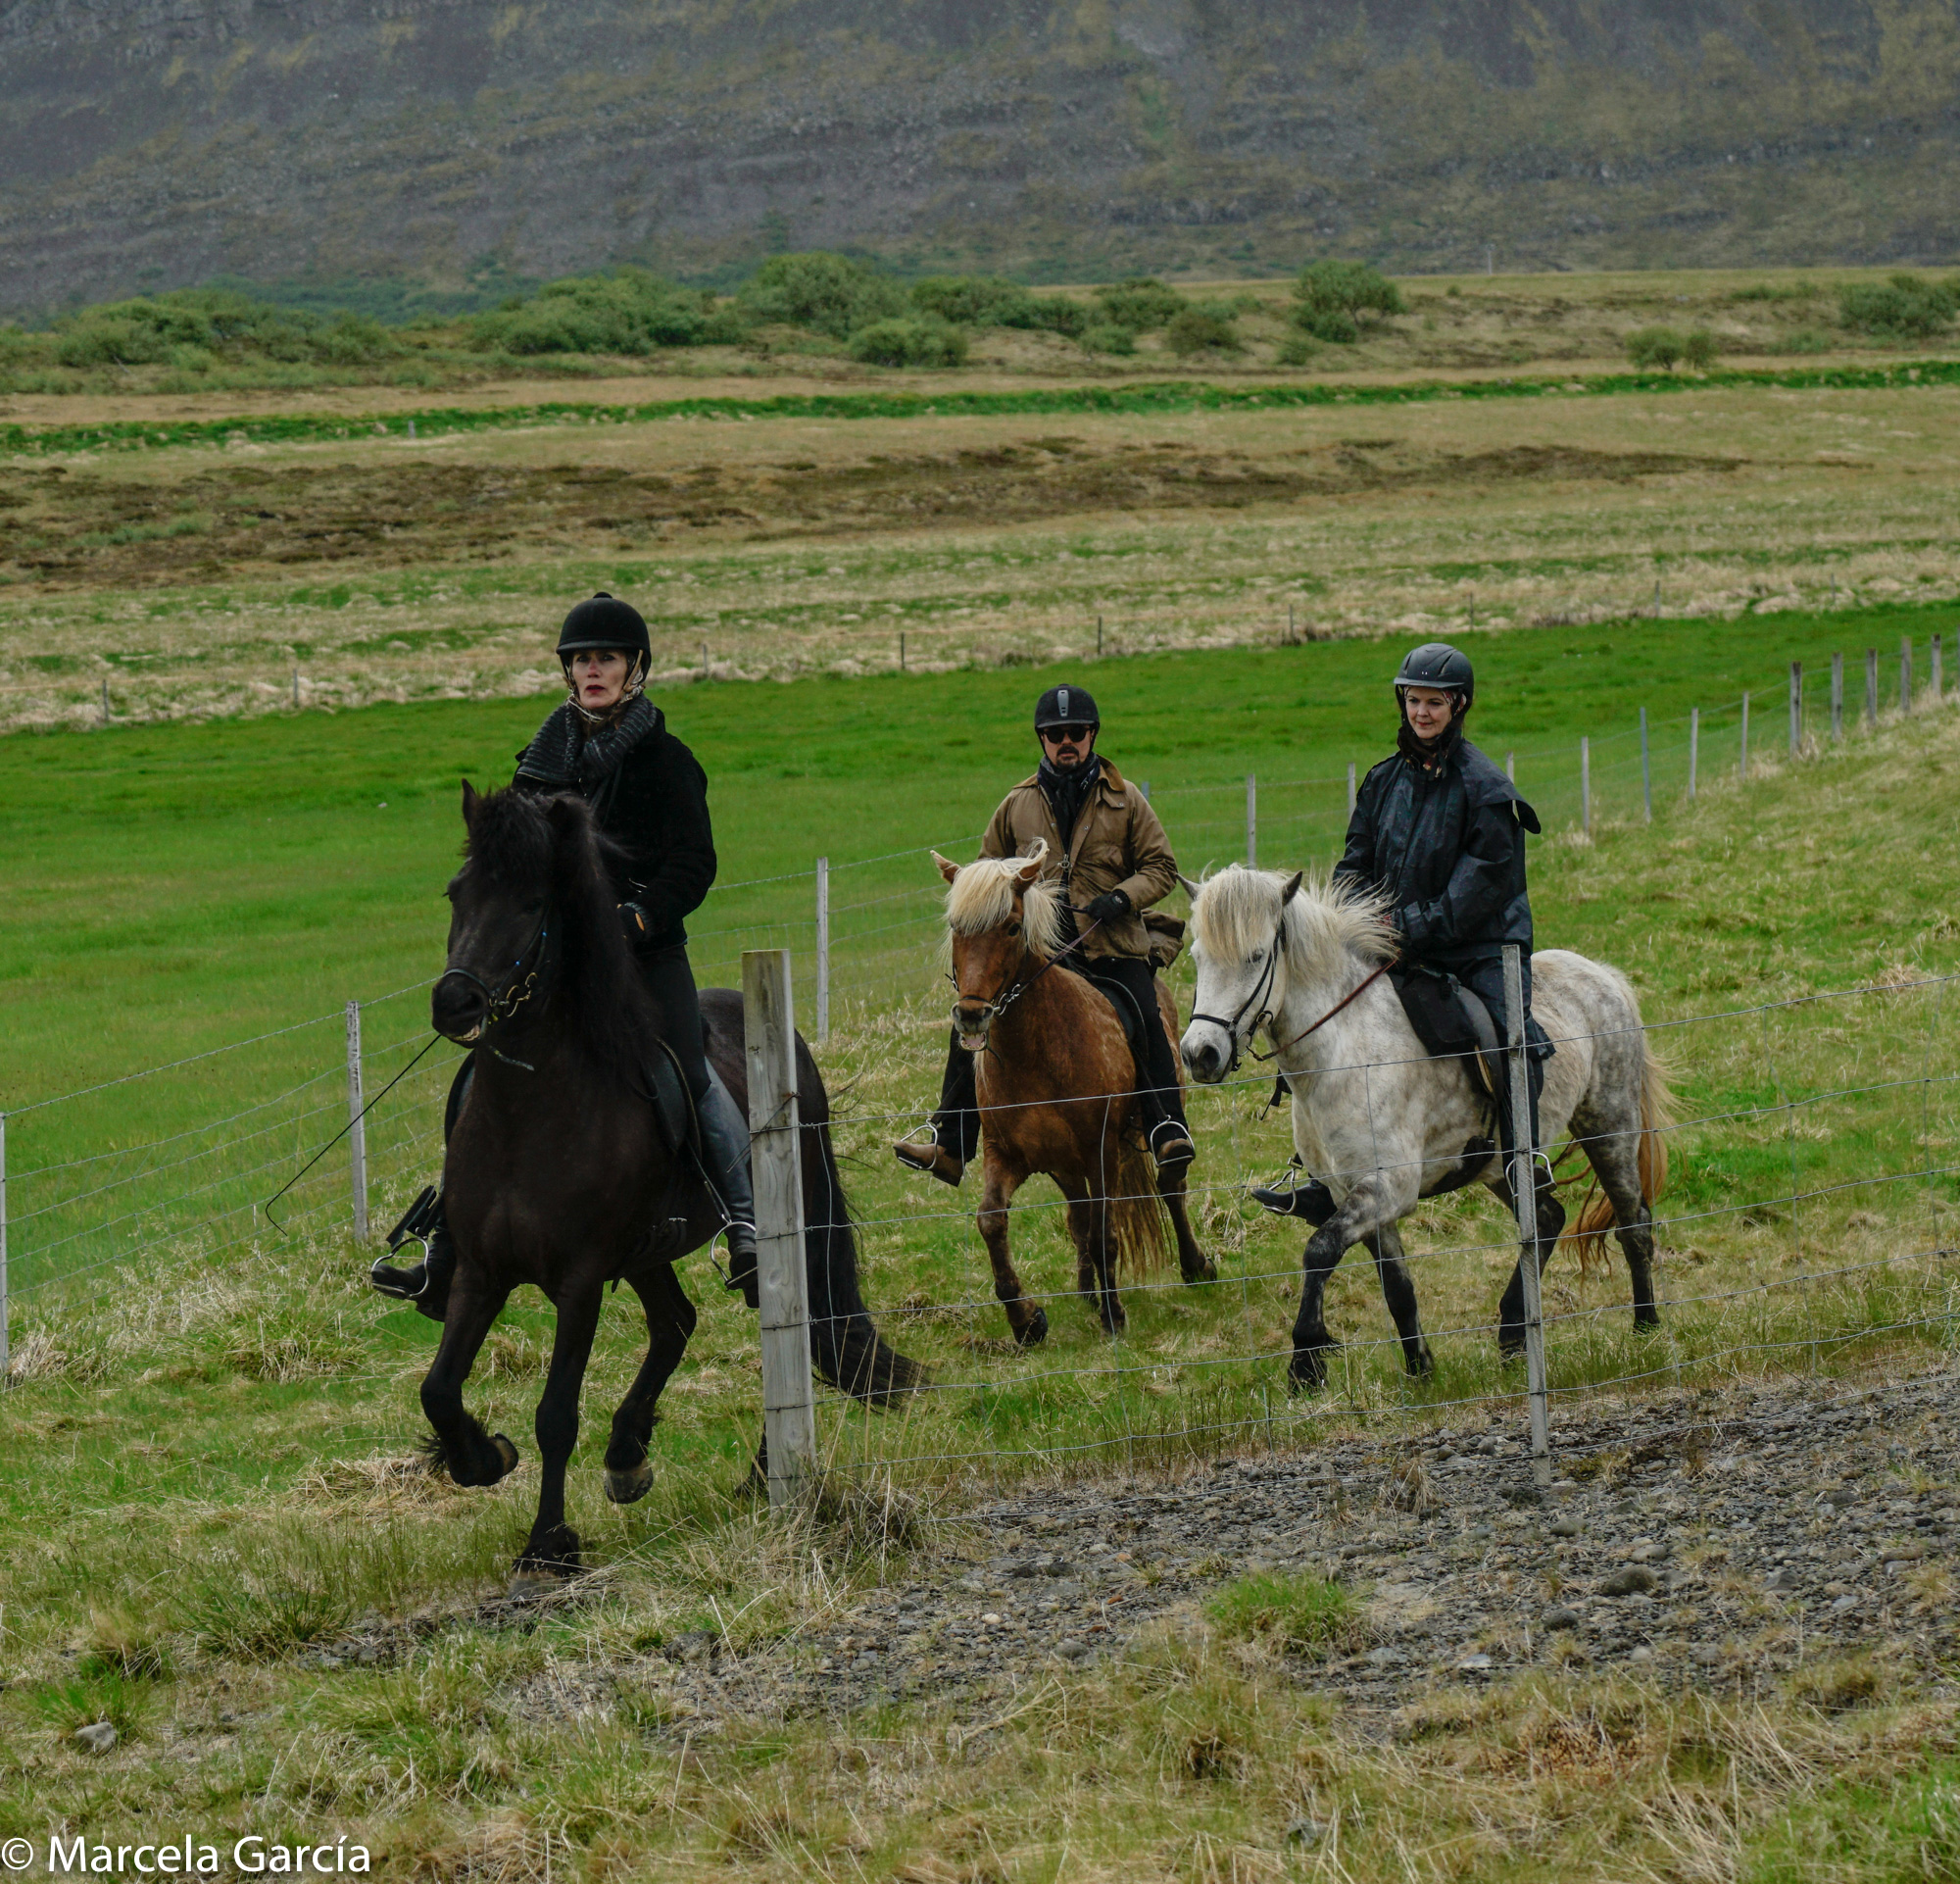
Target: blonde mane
982 898
1328 925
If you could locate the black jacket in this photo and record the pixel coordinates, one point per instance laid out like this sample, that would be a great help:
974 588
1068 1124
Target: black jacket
1448 847
654 805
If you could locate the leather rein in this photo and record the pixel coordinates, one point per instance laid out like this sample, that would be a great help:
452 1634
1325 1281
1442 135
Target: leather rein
1007 998
502 1004
1264 1018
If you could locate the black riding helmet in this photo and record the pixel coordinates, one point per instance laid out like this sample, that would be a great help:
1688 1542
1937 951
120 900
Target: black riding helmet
1436 664
601 625
1065 707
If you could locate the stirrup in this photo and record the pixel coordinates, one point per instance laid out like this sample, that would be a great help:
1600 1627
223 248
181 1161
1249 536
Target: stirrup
931 1158
1295 1194
1180 1150
417 1220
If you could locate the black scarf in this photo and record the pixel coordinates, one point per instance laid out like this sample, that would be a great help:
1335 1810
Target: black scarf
570 751
1068 791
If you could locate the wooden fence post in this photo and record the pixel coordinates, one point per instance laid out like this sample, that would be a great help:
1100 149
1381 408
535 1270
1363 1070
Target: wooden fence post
1795 707
1905 675
1585 786
822 949
1871 689
1937 683
1693 748
768 1029
1646 770
356 1129
1252 822
1524 1188
1350 788
1744 763
1837 699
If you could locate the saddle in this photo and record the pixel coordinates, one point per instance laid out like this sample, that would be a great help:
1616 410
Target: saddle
1452 1021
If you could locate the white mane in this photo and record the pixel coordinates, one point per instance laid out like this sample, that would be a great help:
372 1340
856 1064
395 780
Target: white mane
1328 925
982 898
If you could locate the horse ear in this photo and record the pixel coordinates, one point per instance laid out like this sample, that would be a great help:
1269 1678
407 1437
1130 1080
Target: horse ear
1035 854
471 798
948 868
1191 885
1293 887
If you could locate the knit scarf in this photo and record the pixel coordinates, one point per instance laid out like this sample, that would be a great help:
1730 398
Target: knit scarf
571 753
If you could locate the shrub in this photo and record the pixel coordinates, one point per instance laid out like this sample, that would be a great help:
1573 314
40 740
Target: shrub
1296 349
910 343
1108 337
974 301
1907 307
630 312
1140 304
1331 299
1201 330
831 293
1699 349
208 324
1654 347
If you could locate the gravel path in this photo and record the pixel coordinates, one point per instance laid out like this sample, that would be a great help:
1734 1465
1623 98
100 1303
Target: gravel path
1717 1538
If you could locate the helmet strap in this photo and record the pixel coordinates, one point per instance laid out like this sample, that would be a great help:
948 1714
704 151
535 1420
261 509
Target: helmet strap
636 684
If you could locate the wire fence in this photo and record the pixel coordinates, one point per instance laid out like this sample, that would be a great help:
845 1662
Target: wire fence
1810 1214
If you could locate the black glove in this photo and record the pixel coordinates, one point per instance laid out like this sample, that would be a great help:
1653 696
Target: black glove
633 919
1110 907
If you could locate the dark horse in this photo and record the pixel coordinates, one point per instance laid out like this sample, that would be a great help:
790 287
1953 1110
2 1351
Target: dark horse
558 1173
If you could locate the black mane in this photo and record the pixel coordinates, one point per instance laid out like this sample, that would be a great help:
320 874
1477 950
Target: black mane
529 847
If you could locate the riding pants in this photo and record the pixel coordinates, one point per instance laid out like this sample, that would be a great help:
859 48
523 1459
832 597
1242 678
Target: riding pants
1125 979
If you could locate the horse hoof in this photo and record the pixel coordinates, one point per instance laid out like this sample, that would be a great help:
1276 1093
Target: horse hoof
1034 1332
1511 1349
506 1458
1304 1379
1209 1273
535 1585
628 1487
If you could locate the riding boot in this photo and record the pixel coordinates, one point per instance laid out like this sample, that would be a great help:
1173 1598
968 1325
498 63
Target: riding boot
724 1141
424 1283
955 1125
1311 1202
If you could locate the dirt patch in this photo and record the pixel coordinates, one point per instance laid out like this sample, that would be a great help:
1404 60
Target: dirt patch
66 526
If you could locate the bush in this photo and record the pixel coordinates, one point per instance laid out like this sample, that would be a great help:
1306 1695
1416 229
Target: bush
1331 299
831 293
1296 349
629 312
1699 349
1140 304
1108 337
207 325
1203 330
910 343
974 301
1654 347
1908 307
1058 314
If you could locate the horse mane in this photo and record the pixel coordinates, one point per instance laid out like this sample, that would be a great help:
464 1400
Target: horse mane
551 849
1327 926
982 897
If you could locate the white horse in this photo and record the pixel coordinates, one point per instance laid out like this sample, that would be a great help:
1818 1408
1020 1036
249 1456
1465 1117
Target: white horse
1382 1124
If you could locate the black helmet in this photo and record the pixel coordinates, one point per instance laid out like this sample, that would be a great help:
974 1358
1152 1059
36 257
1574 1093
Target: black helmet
1436 664
605 621
1065 707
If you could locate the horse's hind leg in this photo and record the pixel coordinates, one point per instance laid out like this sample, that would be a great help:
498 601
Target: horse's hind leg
1512 1310
472 1455
551 1549
1089 1224
1025 1318
1192 1262
1616 1163
1399 1292
670 1318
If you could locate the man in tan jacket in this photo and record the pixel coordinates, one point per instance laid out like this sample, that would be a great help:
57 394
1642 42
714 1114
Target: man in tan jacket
1108 855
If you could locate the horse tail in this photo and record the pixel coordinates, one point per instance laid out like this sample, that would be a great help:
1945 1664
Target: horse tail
1596 1217
844 1345
1136 1214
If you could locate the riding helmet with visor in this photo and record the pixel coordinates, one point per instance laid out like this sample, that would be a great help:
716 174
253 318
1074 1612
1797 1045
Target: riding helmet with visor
601 625
1065 707
1436 664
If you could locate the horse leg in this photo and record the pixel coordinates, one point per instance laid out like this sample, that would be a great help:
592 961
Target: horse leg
1399 1292
670 1318
1089 1223
1512 1310
1025 1318
1192 1262
1358 1216
472 1455
551 1551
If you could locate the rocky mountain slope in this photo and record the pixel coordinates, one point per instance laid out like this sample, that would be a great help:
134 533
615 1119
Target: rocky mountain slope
152 143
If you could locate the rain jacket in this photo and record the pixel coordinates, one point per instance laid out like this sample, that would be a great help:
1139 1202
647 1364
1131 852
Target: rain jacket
1117 844
1448 849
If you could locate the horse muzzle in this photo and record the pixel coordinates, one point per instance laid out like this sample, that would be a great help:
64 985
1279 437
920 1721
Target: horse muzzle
970 1024
1207 1051
458 1011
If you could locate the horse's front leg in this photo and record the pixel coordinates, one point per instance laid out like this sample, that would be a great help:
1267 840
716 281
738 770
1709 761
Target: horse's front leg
1399 1292
1363 1211
1090 1225
472 1455
670 1319
1192 1262
551 1550
1026 1319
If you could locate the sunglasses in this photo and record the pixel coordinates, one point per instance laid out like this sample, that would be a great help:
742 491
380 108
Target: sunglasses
1056 735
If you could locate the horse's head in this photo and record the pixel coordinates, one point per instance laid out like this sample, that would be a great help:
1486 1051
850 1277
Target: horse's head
520 854
1004 926
1238 924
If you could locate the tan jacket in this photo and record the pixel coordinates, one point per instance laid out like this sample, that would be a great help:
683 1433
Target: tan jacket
1117 844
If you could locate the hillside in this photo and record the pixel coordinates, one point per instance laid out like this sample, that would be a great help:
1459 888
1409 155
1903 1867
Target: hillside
149 147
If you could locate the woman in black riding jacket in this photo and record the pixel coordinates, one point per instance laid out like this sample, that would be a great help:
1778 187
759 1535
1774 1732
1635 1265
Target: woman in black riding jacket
610 744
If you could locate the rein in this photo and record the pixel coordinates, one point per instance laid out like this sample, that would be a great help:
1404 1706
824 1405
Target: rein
1345 1000
502 1004
1005 1000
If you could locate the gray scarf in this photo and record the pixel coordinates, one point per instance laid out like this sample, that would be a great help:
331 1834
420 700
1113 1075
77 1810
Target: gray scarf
571 753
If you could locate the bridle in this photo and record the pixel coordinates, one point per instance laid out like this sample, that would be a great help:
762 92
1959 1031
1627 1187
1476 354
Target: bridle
502 1004
1264 1018
992 1010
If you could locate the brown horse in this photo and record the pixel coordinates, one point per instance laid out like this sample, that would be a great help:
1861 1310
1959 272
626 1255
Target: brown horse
558 1173
1057 1082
